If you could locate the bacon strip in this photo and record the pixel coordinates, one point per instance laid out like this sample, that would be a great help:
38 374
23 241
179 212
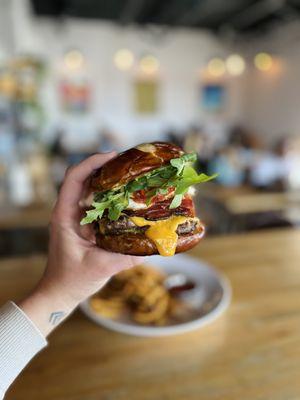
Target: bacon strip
161 210
140 196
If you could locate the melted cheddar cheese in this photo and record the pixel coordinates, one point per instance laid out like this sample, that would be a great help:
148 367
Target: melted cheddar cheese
162 233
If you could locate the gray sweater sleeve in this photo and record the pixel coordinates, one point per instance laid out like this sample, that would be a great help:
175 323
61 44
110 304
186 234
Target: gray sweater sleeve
20 341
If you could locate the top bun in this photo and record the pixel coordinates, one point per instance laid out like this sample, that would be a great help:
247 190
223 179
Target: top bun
133 163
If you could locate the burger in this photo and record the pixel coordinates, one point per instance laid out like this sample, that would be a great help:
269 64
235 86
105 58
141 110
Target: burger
142 201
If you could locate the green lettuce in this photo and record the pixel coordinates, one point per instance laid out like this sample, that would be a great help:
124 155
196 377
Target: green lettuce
179 174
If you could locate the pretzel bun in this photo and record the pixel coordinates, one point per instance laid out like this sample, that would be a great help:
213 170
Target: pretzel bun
133 163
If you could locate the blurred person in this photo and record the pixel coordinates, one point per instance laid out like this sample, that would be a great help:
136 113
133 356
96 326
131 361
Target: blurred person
172 136
57 169
229 166
292 162
216 132
247 144
269 170
241 137
76 268
56 148
195 141
58 159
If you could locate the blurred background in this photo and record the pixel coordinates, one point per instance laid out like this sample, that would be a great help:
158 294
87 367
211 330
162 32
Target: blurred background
219 78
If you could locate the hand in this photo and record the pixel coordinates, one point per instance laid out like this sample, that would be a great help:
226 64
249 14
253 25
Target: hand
76 267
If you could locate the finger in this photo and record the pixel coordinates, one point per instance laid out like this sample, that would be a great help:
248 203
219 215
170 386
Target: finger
111 263
67 205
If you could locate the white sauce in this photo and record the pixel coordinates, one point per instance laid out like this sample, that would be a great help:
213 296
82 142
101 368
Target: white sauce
136 206
192 191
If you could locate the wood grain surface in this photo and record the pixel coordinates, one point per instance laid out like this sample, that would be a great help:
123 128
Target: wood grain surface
27 217
252 352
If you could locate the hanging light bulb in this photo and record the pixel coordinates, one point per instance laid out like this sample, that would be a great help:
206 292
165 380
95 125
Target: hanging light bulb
216 67
235 64
149 65
123 59
74 60
263 61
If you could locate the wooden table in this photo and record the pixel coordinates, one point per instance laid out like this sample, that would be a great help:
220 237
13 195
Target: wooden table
36 216
246 200
257 203
252 352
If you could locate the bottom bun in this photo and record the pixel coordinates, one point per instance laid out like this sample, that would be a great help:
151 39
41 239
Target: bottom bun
137 244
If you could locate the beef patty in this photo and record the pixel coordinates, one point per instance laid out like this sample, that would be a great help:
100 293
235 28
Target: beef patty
124 224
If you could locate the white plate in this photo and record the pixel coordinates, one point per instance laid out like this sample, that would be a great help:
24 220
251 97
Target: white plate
215 298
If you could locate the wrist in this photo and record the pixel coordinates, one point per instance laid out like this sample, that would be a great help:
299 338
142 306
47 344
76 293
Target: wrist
58 295
47 307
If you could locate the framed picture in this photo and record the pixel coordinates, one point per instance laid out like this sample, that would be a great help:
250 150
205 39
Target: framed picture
146 96
75 96
213 97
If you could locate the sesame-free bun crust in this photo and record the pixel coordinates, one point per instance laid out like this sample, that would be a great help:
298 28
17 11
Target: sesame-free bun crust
138 244
133 163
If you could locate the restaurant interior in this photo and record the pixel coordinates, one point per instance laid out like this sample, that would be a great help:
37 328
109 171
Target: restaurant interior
217 78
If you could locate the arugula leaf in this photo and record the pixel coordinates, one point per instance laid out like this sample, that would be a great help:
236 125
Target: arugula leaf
179 163
190 178
137 184
190 157
177 174
162 191
114 211
177 199
114 202
91 215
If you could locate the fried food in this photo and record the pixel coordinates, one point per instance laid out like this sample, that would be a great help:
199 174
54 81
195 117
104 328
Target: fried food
109 308
139 291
